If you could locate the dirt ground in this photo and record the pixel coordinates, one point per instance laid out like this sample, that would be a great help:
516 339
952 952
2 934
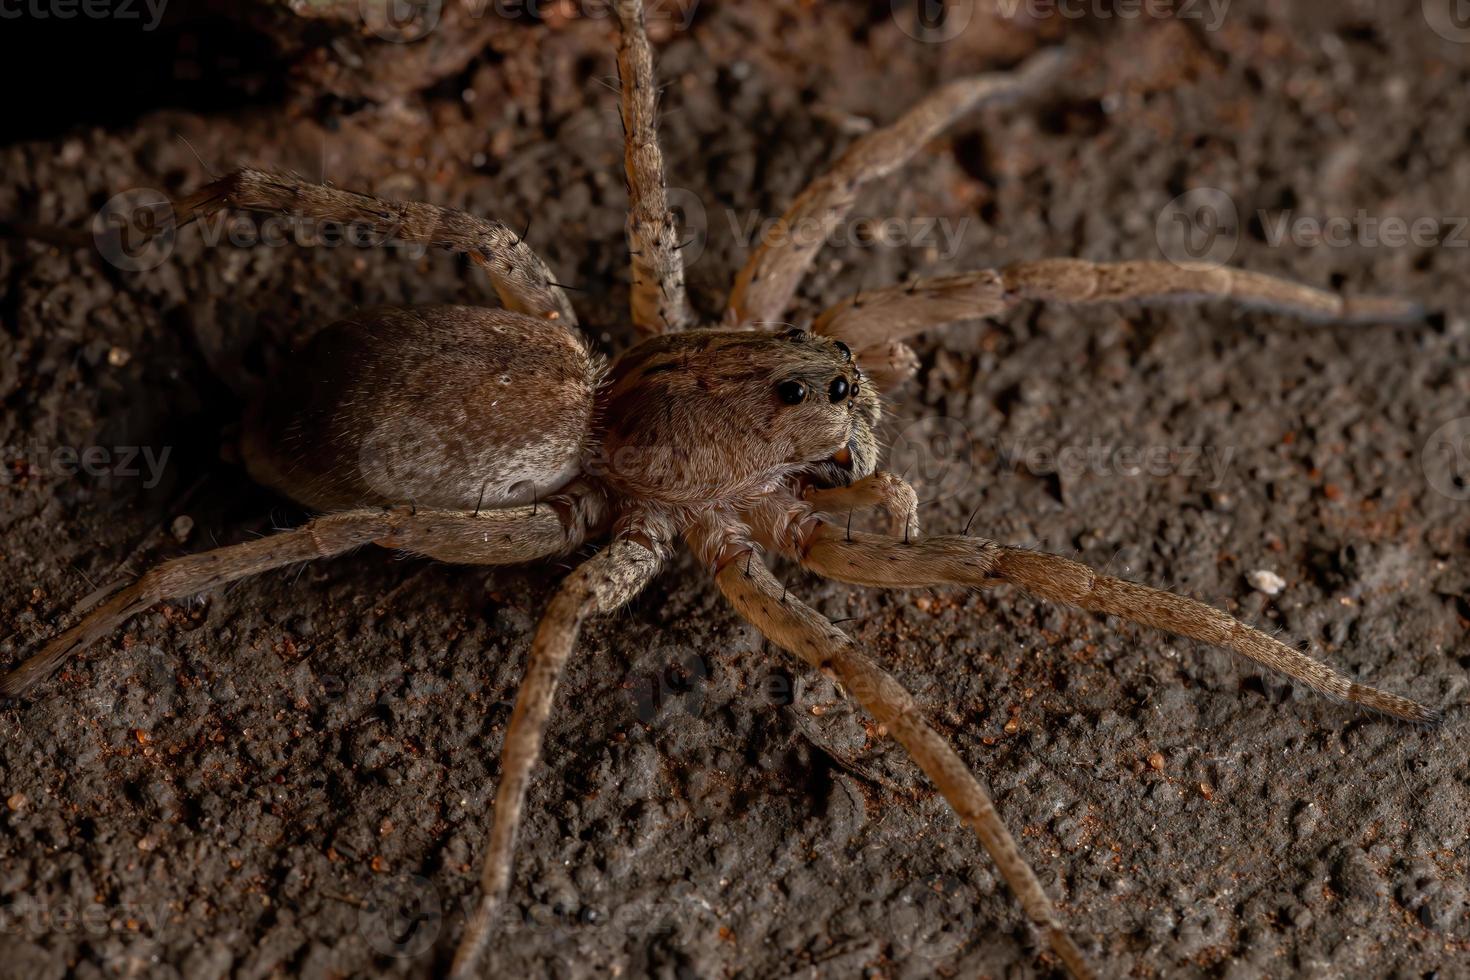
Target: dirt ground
292 776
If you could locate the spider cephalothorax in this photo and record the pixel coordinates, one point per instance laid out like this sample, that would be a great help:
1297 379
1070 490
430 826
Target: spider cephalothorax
720 417
496 436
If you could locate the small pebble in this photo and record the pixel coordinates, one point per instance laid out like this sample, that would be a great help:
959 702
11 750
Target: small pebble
1156 761
1265 580
119 356
182 527
17 802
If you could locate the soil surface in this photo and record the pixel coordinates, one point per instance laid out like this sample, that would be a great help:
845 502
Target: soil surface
259 782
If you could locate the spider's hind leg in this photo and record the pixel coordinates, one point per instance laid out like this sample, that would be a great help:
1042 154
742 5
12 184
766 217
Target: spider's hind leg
519 276
601 584
495 537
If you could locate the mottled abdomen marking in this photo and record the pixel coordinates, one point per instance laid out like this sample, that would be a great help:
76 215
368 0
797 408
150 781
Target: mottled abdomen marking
443 407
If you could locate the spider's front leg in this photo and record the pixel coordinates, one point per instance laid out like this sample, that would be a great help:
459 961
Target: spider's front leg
883 490
796 627
876 560
875 323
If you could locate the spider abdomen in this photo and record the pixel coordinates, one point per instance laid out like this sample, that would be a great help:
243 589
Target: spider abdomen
450 407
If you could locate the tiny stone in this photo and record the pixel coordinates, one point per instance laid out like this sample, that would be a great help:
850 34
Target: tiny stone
16 802
182 526
119 356
1156 761
1265 580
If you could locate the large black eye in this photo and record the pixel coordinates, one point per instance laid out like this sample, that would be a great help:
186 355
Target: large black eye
838 390
791 392
844 350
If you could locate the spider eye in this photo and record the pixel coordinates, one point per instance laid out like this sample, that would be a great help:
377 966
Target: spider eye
838 390
844 350
791 392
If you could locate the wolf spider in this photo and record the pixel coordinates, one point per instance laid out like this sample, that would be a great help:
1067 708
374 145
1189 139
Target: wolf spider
514 442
